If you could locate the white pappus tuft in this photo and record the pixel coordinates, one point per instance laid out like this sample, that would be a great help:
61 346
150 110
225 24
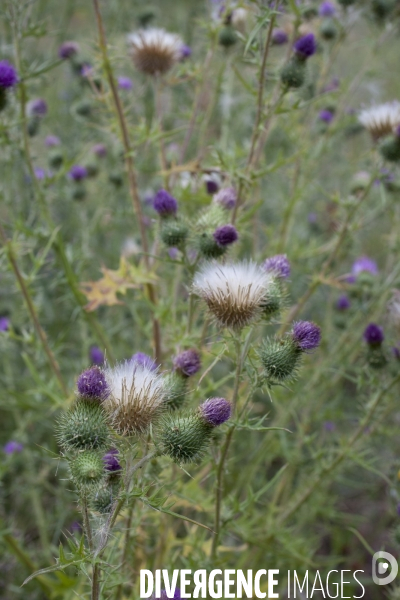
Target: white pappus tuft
381 120
137 395
155 51
235 293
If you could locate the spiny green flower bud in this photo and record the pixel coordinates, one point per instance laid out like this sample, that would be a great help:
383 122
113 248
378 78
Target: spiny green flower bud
390 148
177 389
209 247
293 73
83 108
84 426
33 126
185 438
227 36
273 301
116 178
56 159
174 233
87 468
104 497
328 29
280 359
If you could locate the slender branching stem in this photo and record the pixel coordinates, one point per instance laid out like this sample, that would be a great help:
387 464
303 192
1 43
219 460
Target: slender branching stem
130 169
32 311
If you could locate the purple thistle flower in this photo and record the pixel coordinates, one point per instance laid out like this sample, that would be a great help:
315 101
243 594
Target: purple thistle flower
363 264
40 173
312 217
78 172
4 323
12 447
226 197
332 85
111 461
216 411
329 426
185 51
279 37
96 355
212 186
326 115
187 362
99 150
125 83
165 204
373 335
51 141
68 49
92 384
278 265
396 352
306 335
36 108
144 360
173 253
225 235
305 46
327 9
343 302
8 74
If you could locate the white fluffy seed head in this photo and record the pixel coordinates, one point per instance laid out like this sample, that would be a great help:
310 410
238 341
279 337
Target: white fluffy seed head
137 396
382 119
235 293
154 51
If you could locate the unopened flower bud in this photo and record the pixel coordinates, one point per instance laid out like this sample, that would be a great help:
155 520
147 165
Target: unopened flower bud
87 468
84 426
174 233
293 73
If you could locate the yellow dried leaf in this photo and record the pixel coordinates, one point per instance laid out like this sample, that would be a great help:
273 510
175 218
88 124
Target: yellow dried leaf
103 292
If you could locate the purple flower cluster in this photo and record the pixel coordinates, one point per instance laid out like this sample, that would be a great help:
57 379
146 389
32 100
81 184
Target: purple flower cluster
96 355
305 46
306 335
144 360
78 172
225 235
327 9
364 264
92 384
12 447
125 83
68 50
226 197
279 37
343 302
278 265
165 204
8 74
373 335
4 323
52 141
187 362
99 150
111 461
216 411
36 108
326 115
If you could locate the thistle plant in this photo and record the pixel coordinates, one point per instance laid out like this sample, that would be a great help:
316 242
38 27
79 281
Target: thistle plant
199 311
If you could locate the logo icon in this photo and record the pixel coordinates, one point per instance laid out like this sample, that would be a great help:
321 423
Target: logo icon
384 564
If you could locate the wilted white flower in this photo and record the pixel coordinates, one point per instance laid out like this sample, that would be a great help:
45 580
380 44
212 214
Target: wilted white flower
239 19
137 394
381 120
155 51
235 293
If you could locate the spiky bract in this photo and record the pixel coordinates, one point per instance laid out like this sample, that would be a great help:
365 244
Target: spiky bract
87 468
280 359
184 438
136 398
84 426
174 233
177 389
